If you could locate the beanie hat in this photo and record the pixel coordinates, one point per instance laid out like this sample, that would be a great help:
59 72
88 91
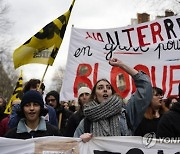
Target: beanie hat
53 93
84 90
32 96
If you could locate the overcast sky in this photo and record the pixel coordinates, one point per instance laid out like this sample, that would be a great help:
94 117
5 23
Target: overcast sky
29 16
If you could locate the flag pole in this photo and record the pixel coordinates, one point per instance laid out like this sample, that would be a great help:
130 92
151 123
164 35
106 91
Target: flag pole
43 76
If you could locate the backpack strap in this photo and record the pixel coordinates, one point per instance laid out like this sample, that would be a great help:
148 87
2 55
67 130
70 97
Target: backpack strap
87 124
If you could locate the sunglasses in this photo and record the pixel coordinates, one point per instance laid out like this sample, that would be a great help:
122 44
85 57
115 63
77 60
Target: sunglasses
50 100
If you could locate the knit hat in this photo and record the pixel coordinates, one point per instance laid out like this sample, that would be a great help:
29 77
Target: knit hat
84 90
32 96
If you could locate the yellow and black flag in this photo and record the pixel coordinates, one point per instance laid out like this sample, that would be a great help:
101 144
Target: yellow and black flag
17 94
44 45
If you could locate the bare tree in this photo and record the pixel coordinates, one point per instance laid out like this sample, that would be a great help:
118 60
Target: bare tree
7 73
57 79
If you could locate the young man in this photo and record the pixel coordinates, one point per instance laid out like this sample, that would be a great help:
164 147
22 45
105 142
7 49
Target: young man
33 84
32 124
74 120
52 99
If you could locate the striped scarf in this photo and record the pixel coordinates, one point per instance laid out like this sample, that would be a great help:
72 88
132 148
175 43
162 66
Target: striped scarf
105 116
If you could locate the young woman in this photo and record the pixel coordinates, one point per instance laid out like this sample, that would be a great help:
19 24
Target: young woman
152 115
107 115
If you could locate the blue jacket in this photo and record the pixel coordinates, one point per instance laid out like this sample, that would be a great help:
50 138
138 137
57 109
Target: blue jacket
135 108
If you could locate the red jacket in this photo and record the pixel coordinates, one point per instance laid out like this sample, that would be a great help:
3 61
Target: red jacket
4 126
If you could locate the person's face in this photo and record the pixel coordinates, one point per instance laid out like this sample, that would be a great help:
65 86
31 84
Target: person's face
84 98
172 102
66 106
1 102
103 91
17 101
37 89
156 101
52 101
32 111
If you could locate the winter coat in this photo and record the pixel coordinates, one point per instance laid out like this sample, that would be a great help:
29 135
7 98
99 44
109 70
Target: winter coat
4 126
73 122
21 132
169 125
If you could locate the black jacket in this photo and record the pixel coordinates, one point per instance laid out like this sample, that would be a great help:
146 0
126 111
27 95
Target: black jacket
147 126
73 122
65 116
169 125
51 131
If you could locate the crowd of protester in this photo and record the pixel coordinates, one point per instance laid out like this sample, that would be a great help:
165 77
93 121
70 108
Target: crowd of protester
98 111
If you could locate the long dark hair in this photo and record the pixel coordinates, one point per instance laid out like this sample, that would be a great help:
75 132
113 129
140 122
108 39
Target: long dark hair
149 114
93 93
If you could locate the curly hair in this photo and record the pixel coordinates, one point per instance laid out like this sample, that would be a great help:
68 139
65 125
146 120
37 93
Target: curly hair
32 83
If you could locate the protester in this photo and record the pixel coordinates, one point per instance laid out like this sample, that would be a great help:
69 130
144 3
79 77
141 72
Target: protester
170 101
52 99
33 84
4 126
31 124
74 120
106 115
3 104
4 123
152 115
169 125
66 105
72 106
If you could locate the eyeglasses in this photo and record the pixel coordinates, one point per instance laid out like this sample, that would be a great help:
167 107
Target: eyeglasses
159 95
50 100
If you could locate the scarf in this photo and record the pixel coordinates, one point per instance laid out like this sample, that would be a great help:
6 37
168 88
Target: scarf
105 116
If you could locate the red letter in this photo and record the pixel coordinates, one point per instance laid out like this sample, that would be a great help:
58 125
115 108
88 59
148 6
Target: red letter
88 35
116 73
164 79
99 37
141 36
156 32
83 71
153 69
171 81
95 73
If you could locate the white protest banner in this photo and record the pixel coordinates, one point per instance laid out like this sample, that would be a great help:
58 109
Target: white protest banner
153 47
129 145
41 145
97 145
